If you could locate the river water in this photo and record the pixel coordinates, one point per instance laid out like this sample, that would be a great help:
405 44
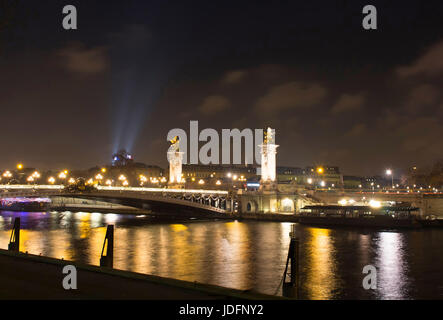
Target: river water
244 255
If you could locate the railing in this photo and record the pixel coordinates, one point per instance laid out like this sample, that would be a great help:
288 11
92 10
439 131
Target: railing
165 199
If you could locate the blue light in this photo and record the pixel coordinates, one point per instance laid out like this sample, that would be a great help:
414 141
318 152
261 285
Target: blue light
250 184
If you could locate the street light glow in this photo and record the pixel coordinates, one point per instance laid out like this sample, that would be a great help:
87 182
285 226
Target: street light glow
374 204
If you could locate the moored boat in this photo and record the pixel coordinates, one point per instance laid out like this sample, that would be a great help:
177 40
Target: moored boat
25 204
392 216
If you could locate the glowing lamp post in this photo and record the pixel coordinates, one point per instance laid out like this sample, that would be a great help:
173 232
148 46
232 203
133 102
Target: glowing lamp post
7 174
389 172
143 179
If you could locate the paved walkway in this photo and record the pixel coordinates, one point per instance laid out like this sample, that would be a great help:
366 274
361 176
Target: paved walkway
32 277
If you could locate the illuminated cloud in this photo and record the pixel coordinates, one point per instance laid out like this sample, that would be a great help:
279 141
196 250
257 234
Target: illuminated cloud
348 102
214 104
411 134
429 64
233 77
421 97
357 130
292 95
76 58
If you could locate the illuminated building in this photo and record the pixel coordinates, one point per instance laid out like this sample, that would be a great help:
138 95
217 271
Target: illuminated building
121 159
323 176
289 174
217 171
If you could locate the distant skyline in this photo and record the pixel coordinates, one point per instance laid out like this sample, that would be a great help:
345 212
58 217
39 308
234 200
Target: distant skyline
335 93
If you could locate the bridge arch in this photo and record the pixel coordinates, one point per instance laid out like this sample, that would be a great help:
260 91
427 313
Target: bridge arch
251 206
287 205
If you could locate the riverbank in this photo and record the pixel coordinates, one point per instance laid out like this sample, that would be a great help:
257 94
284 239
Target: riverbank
27 276
276 217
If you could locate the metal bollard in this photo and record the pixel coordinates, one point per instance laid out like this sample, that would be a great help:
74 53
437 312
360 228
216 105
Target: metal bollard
14 241
291 287
107 260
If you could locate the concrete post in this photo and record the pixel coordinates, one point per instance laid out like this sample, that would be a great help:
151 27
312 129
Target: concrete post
107 260
14 240
291 287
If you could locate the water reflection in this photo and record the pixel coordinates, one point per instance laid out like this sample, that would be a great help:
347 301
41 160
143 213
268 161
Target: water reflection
243 255
321 273
391 266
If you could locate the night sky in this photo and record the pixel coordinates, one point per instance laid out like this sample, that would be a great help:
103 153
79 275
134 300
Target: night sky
335 93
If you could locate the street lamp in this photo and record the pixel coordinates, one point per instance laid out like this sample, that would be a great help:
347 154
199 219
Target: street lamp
390 173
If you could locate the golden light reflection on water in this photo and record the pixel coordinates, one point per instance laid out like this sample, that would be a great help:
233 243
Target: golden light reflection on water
123 248
178 227
95 245
231 254
84 226
144 250
185 252
320 274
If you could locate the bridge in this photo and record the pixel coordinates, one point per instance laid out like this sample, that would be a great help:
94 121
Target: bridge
220 203
183 202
